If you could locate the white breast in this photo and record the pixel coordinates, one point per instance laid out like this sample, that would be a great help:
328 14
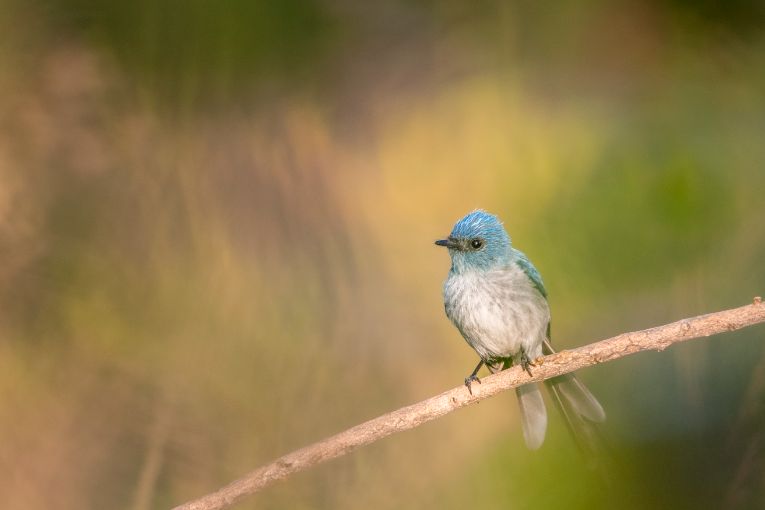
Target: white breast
498 312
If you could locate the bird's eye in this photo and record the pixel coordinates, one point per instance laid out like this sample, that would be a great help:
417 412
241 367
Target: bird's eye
476 243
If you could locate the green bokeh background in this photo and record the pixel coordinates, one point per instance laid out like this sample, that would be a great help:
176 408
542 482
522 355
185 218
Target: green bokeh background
216 226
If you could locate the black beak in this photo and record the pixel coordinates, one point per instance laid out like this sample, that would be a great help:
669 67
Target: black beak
449 243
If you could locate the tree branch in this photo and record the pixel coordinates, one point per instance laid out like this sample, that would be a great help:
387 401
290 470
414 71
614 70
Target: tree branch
658 338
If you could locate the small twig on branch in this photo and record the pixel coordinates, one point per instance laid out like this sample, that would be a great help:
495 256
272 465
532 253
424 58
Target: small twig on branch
658 338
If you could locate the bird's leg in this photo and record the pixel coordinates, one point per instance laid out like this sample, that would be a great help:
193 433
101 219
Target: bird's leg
526 363
473 377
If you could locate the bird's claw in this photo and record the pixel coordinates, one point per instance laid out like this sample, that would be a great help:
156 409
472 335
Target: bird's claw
469 381
527 363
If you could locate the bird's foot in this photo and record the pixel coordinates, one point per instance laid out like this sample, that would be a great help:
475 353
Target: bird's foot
527 363
469 381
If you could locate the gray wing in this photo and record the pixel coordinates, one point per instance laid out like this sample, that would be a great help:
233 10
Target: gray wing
531 271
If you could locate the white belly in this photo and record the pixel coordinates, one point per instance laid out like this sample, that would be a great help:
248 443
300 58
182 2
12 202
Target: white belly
499 313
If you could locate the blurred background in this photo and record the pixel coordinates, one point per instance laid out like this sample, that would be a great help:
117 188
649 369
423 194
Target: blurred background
217 224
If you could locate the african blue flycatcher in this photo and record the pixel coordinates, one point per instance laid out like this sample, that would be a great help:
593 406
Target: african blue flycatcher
496 298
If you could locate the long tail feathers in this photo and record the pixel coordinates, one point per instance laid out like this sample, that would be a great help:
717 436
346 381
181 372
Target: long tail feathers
580 409
578 397
533 410
533 414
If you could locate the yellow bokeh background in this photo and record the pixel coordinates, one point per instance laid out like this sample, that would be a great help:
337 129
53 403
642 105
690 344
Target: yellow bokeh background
217 226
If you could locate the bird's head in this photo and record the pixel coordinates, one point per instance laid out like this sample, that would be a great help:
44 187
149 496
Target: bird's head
478 242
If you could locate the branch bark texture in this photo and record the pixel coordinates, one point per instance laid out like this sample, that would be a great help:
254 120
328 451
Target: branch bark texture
658 338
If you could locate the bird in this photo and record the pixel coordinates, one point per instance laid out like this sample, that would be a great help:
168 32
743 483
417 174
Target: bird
495 297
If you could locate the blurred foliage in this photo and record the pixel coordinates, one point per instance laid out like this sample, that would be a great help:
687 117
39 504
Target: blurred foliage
184 51
216 222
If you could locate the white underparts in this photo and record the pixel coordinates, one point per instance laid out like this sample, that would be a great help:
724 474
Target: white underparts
499 312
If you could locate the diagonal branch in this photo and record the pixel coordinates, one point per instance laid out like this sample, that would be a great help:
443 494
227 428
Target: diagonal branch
658 338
